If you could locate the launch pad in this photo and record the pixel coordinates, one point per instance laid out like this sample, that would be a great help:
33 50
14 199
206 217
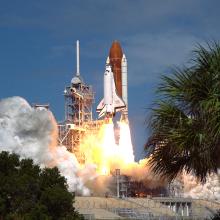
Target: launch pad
128 198
156 208
79 123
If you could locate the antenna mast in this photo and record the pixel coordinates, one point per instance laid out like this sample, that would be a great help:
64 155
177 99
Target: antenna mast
77 58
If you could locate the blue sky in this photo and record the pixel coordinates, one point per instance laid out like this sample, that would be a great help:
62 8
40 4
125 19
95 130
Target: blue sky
37 47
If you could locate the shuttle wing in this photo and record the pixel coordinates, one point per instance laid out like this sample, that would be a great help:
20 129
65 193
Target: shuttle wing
118 103
102 112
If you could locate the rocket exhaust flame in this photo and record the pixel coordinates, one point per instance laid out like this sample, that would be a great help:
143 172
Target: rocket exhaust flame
31 133
125 144
103 150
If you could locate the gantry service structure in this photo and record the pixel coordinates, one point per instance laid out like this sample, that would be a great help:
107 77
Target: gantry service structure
79 98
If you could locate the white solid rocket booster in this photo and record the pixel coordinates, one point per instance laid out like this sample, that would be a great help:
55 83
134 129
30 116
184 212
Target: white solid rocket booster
124 72
107 61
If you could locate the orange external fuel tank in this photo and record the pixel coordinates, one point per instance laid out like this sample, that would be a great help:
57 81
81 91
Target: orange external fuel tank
115 58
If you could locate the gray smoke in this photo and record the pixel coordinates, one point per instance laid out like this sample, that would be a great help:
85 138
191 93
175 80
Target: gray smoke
32 133
209 190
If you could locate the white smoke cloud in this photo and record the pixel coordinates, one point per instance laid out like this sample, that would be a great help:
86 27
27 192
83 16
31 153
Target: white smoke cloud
209 190
32 133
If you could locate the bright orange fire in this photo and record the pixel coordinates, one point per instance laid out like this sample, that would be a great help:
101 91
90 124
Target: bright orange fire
100 149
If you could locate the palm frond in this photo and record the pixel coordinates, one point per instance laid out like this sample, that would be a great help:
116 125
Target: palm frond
185 121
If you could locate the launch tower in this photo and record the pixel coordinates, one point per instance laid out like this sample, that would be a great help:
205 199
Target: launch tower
79 98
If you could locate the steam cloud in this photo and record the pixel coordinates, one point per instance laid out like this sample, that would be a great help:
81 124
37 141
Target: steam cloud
210 190
32 133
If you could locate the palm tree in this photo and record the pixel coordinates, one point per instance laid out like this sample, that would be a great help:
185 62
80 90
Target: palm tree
216 216
185 120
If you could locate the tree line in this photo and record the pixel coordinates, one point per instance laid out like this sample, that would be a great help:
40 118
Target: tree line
30 193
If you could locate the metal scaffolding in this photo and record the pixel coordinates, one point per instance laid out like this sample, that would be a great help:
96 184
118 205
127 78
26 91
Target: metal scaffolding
78 103
79 98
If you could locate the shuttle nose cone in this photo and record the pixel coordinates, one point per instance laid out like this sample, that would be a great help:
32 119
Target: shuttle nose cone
115 51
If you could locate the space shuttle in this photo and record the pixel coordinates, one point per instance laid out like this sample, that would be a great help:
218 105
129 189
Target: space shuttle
115 84
111 103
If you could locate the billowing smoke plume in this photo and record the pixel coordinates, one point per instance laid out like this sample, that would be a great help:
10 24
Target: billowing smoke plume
209 190
32 133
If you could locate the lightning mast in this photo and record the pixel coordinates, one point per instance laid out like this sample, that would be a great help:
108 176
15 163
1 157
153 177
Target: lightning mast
78 97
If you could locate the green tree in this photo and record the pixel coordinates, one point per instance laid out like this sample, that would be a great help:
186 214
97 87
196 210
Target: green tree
29 193
185 120
58 201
